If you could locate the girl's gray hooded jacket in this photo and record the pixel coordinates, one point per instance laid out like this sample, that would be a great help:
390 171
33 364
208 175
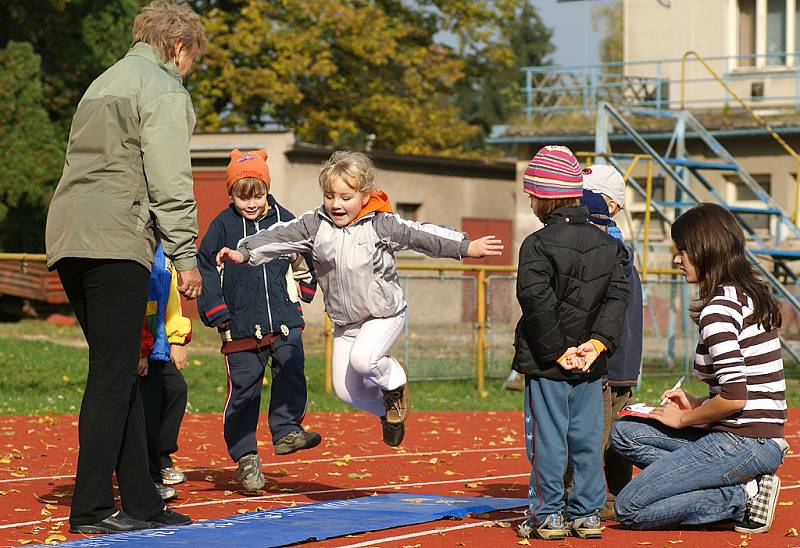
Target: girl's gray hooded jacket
355 264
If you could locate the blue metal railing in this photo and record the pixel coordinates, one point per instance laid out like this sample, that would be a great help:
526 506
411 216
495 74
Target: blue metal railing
553 90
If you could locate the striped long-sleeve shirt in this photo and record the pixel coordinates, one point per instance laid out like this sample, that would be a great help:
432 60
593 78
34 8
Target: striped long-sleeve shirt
739 360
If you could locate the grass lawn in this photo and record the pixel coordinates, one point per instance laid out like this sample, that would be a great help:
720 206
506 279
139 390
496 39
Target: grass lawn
43 370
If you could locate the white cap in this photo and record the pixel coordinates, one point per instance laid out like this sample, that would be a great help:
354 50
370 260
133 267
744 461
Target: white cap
606 180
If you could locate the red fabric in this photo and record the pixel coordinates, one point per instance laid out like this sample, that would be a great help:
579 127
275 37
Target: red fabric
146 345
379 201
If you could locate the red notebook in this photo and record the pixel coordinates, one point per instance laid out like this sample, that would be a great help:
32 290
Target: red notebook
636 410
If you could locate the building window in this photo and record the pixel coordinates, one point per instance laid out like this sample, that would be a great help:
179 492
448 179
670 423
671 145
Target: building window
743 196
408 211
776 31
747 33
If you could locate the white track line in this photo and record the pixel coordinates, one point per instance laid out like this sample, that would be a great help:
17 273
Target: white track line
301 493
424 533
454 452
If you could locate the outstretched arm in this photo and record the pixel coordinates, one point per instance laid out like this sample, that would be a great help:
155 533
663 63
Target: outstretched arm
295 236
485 247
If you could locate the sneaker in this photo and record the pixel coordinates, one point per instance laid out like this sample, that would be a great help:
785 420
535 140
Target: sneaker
115 523
587 526
397 402
553 528
295 441
608 513
166 492
393 433
760 509
168 518
172 476
250 474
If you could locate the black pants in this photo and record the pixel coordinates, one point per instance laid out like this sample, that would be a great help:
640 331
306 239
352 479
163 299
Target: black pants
164 399
109 298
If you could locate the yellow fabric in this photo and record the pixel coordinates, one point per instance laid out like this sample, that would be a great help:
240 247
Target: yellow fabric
178 326
599 346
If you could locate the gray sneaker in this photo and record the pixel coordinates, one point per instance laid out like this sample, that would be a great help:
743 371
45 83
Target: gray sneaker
295 441
250 474
553 528
166 492
760 509
587 526
172 476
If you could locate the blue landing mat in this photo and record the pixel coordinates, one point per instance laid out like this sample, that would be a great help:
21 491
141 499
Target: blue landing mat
317 521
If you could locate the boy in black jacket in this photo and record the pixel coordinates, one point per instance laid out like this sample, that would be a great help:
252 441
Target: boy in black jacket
573 295
258 320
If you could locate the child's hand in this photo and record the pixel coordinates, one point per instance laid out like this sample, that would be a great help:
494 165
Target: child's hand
179 355
588 354
142 369
483 247
570 360
229 255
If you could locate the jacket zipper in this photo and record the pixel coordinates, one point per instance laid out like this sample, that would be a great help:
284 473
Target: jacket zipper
340 275
266 287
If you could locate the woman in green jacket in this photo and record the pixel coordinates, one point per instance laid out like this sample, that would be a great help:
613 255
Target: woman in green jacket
127 182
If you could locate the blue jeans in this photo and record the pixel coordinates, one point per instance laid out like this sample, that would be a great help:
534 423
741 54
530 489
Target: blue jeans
689 477
564 417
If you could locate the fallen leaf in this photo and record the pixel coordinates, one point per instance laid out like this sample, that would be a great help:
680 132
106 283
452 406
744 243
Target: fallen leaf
26 541
524 542
792 532
434 460
504 524
449 473
644 543
786 503
55 539
675 541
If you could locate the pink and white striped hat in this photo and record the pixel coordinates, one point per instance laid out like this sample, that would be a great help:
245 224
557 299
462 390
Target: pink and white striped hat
553 173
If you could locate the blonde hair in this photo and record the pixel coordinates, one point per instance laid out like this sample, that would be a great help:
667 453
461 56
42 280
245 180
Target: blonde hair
248 187
354 169
166 23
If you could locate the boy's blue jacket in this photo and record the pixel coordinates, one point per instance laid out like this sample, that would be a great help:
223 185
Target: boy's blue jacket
254 299
158 293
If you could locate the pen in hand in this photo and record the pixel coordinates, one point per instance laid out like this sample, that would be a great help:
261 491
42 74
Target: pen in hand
677 385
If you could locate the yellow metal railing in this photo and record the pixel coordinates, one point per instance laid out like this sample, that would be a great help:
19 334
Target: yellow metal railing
755 117
480 344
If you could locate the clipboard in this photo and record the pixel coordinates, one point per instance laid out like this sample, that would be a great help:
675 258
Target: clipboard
637 410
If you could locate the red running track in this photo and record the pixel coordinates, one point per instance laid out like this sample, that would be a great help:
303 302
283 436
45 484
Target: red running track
448 453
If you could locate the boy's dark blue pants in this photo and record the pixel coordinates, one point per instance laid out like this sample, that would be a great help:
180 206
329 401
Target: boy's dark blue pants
288 396
164 394
562 417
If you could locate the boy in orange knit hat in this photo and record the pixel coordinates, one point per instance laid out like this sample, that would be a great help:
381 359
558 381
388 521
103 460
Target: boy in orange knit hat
257 313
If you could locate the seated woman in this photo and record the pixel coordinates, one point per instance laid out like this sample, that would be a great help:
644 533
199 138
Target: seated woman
714 458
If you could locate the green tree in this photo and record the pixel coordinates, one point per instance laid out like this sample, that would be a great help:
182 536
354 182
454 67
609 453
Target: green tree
32 150
610 18
340 72
492 92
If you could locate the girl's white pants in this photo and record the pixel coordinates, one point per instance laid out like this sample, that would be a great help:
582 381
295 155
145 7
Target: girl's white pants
360 366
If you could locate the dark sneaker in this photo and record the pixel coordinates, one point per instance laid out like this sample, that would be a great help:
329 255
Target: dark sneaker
112 524
250 474
587 526
168 518
397 402
608 513
553 528
295 441
172 476
166 492
760 509
392 433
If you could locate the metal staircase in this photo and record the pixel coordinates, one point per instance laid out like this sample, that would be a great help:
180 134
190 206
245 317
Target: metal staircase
682 171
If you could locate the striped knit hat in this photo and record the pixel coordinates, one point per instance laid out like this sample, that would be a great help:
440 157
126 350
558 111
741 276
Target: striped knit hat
553 173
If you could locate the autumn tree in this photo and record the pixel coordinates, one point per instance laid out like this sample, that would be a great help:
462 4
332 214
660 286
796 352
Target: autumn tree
609 17
32 150
339 73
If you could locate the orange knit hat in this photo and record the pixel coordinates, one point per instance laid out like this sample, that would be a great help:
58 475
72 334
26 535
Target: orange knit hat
247 164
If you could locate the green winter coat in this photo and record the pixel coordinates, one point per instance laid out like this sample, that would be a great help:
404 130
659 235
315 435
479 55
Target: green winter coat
128 166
